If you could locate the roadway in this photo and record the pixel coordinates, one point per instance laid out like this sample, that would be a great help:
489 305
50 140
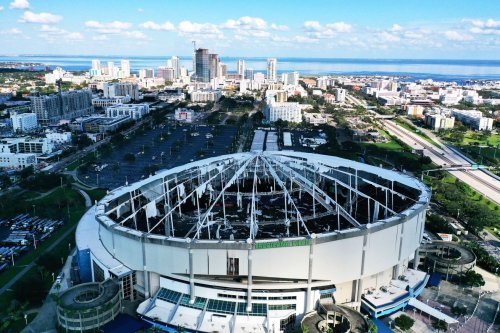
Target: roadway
445 157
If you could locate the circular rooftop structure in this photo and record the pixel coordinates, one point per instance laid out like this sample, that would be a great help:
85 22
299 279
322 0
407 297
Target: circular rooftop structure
252 196
88 306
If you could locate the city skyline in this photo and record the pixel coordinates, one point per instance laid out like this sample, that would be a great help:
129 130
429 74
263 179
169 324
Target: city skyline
321 30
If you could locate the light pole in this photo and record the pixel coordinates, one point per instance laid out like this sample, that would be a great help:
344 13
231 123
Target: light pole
26 319
52 276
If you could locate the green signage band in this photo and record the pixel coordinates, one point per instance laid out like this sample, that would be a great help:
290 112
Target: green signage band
301 242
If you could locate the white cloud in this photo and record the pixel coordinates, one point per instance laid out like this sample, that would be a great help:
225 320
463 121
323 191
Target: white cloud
305 40
150 25
19 4
207 30
316 30
12 31
100 38
52 33
484 27
43 18
388 37
457 36
396 27
339 27
245 23
1 8
312 26
140 10
114 27
278 27
136 35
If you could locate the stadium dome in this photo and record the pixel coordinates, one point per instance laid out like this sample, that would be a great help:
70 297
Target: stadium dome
253 241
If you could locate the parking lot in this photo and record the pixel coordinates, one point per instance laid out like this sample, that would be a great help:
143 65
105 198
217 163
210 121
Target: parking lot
165 147
18 234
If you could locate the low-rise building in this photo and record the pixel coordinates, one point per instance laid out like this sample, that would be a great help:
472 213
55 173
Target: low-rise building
474 119
315 118
17 160
203 96
23 122
134 111
413 110
99 124
103 102
26 145
438 121
184 115
58 137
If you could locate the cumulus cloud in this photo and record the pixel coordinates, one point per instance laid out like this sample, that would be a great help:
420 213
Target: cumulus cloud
455 35
1 8
207 30
396 27
278 27
53 33
114 27
43 18
136 35
316 30
12 31
150 25
19 4
245 23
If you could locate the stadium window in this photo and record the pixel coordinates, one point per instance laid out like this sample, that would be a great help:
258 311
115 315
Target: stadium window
233 266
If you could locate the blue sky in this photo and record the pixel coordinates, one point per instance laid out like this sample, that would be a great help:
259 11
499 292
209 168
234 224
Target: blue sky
339 29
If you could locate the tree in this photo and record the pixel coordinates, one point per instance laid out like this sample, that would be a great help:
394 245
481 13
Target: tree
129 157
440 325
473 279
404 322
372 328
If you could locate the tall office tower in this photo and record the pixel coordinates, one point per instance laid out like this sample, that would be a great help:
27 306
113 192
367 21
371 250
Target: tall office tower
240 67
214 66
202 65
249 74
222 70
125 64
96 64
176 66
271 69
111 68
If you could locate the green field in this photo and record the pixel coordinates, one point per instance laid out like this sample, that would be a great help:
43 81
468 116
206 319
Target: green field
478 138
416 130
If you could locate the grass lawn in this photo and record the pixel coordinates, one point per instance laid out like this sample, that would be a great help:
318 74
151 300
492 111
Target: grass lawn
416 130
96 194
472 137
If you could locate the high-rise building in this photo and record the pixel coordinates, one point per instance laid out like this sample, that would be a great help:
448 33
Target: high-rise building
202 71
121 89
167 73
214 66
176 66
222 70
271 69
249 74
207 65
111 69
50 109
125 64
240 67
96 64
146 73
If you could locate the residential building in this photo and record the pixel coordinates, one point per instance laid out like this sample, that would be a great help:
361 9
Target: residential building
103 102
203 96
17 160
37 146
438 121
340 95
146 73
50 109
259 77
175 63
222 70
240 68
58 137
288 111
272 69
125 68
134 111
23 122
249 74
214 66
474 119
166 73
112 69
413 110
113 90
